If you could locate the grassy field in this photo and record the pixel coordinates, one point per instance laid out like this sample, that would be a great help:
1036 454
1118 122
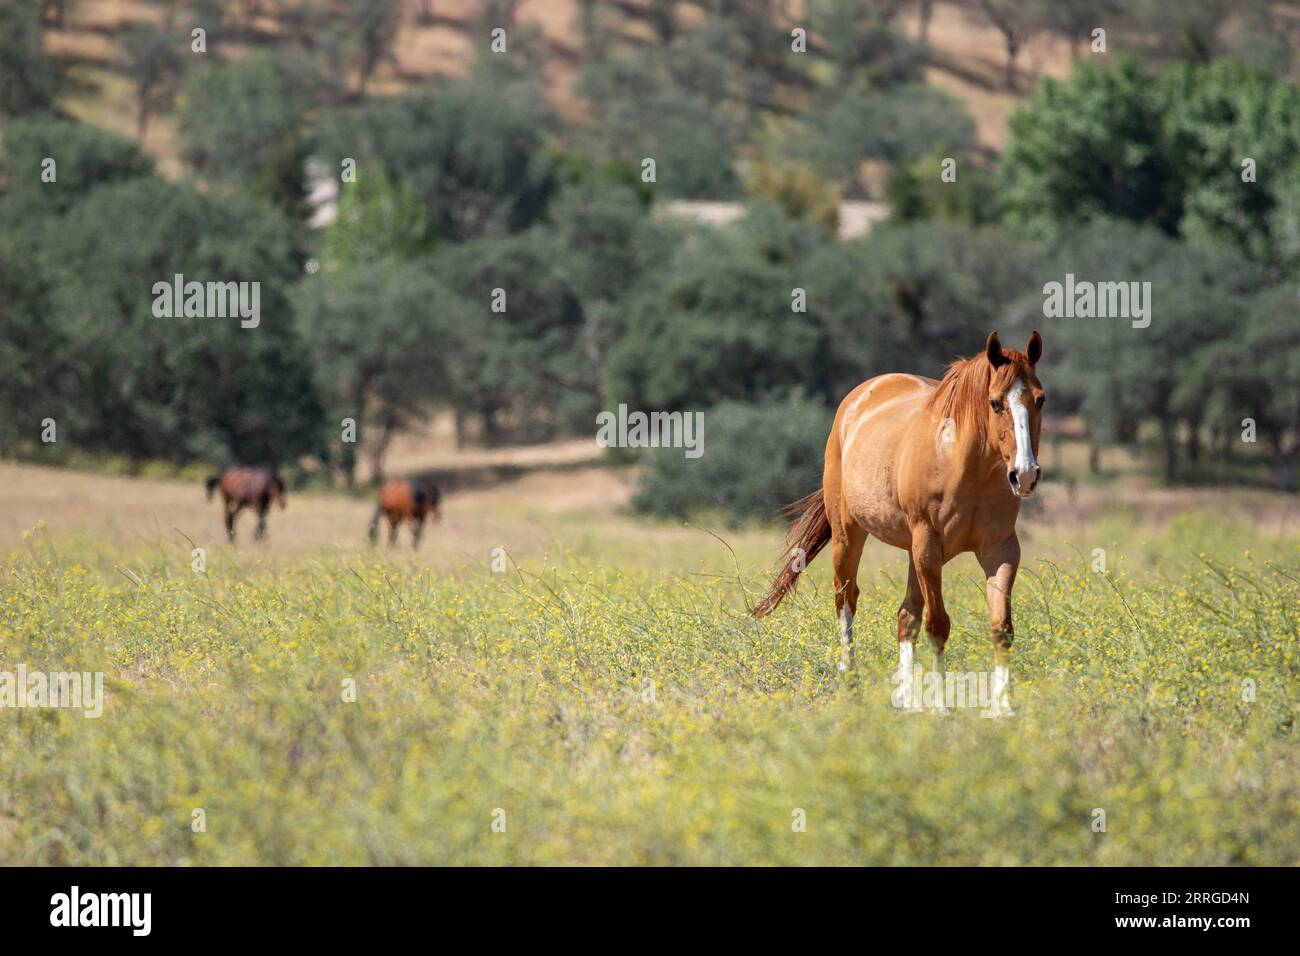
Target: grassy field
605 699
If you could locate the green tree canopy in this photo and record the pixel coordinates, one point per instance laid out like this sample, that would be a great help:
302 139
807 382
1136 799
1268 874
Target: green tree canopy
472 149
180 388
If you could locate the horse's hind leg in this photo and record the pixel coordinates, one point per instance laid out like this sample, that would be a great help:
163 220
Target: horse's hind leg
417 528
1000 564
394 522
846 553
261 522
373 534
231 511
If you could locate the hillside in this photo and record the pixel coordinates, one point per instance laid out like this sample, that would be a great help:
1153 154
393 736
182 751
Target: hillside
965 59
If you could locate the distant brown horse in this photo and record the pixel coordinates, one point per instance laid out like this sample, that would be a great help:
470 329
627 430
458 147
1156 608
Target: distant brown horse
405 499
244 488
936 468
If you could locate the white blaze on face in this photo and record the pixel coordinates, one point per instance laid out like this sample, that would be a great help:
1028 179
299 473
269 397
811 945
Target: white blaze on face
1026 464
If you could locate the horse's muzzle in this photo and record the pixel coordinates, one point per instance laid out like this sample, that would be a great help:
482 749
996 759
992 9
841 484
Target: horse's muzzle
1024 482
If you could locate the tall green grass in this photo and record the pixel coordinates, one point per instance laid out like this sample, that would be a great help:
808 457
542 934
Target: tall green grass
619 714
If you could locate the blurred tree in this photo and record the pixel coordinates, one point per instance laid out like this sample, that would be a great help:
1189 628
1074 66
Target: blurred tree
379 220
383 338
1074 20
605 244
902 124
864 51
1193 32
33 375
180 388
642 114
759 457
911 297
717 323
54 13
214 17
1095 145
85 158
1199 151
153 62
28 80
524 355
372 27
241 125
799 191
1017 21
918 190
473 149
1254 372
1124 375
1220 116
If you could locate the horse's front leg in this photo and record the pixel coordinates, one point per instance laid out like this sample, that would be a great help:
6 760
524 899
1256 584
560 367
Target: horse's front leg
927 563
1000 562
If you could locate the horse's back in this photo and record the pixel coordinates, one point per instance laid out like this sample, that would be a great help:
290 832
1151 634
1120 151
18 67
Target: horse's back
879 407
407 497
245 484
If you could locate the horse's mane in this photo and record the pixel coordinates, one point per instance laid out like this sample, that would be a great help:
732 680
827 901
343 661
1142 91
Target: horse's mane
963 393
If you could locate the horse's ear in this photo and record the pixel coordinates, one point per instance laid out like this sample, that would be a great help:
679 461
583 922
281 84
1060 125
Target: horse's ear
993 350
1034 350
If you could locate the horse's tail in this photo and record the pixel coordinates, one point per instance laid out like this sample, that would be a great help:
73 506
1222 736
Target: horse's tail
805 539
212 485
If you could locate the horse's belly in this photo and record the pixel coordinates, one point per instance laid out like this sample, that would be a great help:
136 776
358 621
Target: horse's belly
870 494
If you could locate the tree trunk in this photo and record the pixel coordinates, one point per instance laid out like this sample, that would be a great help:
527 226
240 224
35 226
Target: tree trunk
1013 50
927 8
380 451
1194 441
1284 461
1169 436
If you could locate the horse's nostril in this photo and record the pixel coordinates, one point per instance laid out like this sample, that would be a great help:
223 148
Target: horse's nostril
1013 477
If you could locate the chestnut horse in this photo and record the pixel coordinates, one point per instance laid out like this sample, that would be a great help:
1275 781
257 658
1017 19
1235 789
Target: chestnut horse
405 499
244 488
936 468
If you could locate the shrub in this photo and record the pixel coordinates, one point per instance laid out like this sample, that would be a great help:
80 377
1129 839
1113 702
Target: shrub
756 458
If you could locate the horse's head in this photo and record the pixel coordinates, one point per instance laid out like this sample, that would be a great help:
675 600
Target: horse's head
1015 410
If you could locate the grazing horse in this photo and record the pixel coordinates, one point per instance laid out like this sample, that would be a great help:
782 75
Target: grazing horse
244 488
405 499
936 468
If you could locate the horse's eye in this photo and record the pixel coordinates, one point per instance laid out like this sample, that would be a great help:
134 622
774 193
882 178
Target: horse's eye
995 404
